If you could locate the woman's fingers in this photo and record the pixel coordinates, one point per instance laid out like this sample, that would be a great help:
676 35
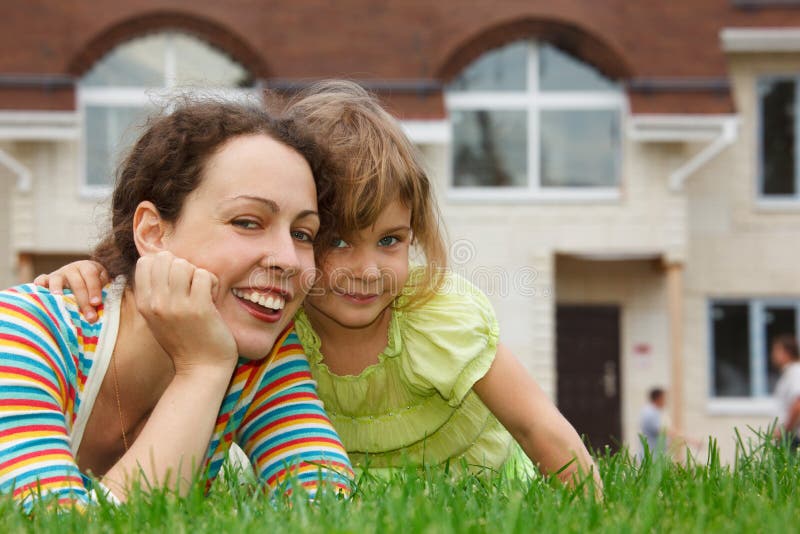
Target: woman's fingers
143 283
180 277
175 298
201 290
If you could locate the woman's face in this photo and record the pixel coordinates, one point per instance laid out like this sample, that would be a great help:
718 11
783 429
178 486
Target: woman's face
251 222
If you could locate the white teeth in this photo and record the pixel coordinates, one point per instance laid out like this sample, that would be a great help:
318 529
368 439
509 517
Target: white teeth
274 302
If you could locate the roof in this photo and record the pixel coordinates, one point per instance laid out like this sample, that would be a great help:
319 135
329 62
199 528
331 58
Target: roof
668 54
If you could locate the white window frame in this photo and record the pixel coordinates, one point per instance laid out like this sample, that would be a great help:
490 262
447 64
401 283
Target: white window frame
158 97
777 201
534 101
760 402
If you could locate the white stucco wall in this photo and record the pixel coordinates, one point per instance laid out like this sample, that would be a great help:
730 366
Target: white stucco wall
7 184
53 216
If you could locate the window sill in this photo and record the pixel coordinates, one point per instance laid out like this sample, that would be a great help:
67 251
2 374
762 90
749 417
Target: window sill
738 406
95 192
778 205
519 195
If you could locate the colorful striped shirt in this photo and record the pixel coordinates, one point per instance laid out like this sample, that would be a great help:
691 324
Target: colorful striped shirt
47 351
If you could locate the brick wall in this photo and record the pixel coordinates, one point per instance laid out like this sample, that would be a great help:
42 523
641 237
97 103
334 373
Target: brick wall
362 39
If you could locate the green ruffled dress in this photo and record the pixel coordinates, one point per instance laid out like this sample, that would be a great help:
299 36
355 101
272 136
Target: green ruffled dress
417 404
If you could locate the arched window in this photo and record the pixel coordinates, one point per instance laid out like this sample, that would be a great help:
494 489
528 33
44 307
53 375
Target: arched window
530 120
133 81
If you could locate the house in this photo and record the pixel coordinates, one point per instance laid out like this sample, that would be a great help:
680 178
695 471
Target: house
622 178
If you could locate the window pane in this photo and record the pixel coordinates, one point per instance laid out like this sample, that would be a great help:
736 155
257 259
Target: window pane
731 338
138 63
558 71
502 69
489 148
109 132
579 148
198 63
779 321
777 136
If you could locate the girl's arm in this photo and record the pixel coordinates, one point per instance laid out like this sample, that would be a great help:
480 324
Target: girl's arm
509 391
85 278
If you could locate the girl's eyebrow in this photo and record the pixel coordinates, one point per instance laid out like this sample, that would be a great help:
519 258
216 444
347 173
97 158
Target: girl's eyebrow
396 229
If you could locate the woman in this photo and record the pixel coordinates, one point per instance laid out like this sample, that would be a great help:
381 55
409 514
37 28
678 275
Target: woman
214 215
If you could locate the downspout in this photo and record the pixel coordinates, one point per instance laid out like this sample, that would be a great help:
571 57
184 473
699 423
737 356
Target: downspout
21 172
726 137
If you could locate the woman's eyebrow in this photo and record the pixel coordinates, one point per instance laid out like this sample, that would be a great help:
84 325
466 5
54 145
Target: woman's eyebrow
271 205
307 213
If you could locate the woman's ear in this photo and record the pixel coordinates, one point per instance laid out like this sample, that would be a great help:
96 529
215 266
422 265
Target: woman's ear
149 229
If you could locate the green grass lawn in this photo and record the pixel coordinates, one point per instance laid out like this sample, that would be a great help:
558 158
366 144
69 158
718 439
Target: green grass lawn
759 493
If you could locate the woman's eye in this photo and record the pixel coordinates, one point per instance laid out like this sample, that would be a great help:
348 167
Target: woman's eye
337 242
302 235
388 241
247 224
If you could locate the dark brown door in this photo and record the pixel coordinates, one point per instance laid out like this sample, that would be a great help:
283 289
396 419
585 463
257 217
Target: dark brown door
587 352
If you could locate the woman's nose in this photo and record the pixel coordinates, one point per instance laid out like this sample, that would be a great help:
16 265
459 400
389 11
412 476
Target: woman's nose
280 252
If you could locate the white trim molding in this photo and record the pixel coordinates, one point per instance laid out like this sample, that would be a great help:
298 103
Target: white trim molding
720 131
427 132
39 126
760 39
21 172
743 406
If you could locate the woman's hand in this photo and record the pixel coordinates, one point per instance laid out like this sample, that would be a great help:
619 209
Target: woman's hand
85 278
176 300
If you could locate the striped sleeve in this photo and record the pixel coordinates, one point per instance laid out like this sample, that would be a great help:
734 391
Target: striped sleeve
35 455
287 434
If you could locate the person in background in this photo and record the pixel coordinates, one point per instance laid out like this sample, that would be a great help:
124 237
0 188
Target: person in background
651 422
785 356
656 429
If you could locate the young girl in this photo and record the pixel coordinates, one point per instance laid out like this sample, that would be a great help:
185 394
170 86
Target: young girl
407 357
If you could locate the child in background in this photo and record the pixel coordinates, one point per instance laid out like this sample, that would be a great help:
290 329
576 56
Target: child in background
407 357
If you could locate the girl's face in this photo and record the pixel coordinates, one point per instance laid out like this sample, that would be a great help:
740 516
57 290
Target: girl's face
251 222
360 278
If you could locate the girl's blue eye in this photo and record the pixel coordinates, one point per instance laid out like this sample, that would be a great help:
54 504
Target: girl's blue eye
388 241
302 236
337 242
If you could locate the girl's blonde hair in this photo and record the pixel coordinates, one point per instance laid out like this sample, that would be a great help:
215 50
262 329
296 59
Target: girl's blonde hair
373 164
